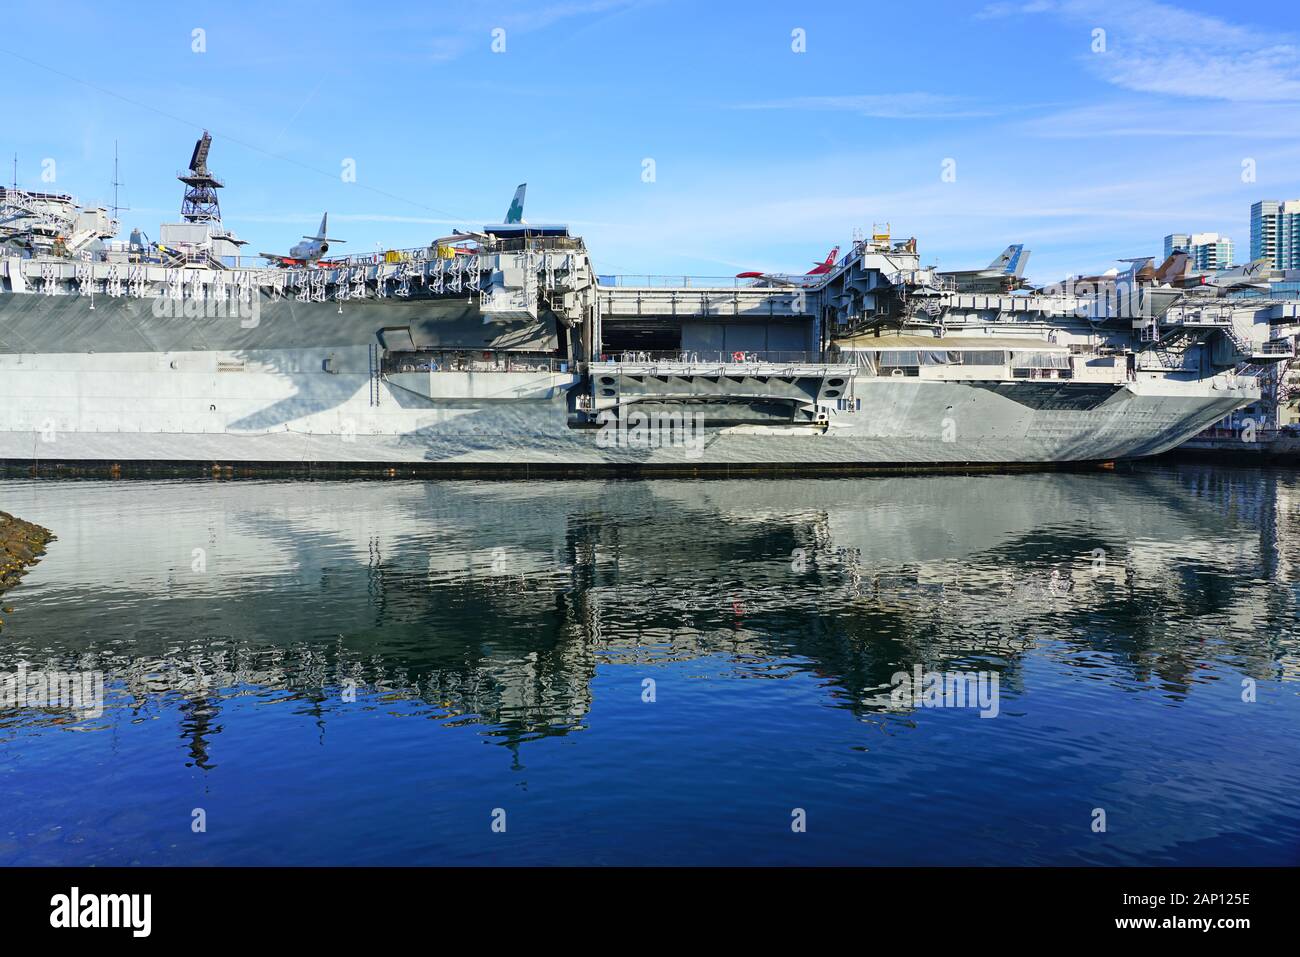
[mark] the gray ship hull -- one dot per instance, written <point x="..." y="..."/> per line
<point x="378" y="367"/>
<point x="271" y="407"/>
<point x="59" y="323"/>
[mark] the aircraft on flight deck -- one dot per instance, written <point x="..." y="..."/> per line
<point x="1004" y="274"/>
<point x="811" y="277"/>
<point x="308" y="252"/>
<point x="1252" y="275"/>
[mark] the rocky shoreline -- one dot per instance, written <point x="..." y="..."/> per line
<point x="21" y="545"/>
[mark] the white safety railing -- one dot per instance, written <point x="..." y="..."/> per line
<point x="646" y="281"/>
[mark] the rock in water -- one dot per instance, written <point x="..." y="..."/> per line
<point x="21" y="545"/>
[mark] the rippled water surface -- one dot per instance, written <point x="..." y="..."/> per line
<point x="660" y="672"/>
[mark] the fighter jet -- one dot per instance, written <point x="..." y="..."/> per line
<point x="309" y="252"/>
<point x="1004" y="274"/>
<point x="1253" y="275"/>
<point x="1140" y="271"/>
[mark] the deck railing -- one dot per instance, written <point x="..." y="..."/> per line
<point x="633" y="281"/>
<point x="1277" y="347"/>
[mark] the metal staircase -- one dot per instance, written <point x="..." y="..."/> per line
<point x="1274" y="350"/>
<point x="32" y="215"/>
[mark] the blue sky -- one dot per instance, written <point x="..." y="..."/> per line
<point x="763" y="157"/>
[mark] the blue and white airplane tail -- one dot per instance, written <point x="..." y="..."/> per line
<point x="515" y="214"/>
<point x="1012" y="261"/>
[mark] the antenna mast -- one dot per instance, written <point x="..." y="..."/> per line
<point x="116" y="184"/>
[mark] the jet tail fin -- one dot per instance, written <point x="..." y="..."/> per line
<point x="1011" y="261"/>
<point x="515" y="214"/>
<point x="322" y="234"/>
<point x="1172" y="268"/>
<point x="1003" y="259"/>
<point x="826" y="264"/>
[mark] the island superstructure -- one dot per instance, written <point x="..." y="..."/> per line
<point x="504" y="349"/>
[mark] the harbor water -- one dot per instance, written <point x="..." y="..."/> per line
<point x="658" y="672"/>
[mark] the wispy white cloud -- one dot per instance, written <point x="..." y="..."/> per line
<point x="892" y="106"/>
<point x="1078" y="208"/>
<point x="531" y="16"/>
<point x="1271" y="74"/>
<point x="349" y="218"/>
<point x="467" y="27"/>
<point x="1130" y="120"/>
<point x="1155" y="47"/>
<point x="993" y="11"/>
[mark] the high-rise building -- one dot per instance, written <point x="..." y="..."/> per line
<point x="1205" y="250"/>
<point x="1275" y="232"/>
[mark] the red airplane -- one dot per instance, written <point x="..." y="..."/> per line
<point x="786" y="279"/>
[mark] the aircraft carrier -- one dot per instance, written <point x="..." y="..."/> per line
<point x="504" y="350"/>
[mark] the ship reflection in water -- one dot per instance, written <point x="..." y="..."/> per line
<point x="661" y="672"/>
